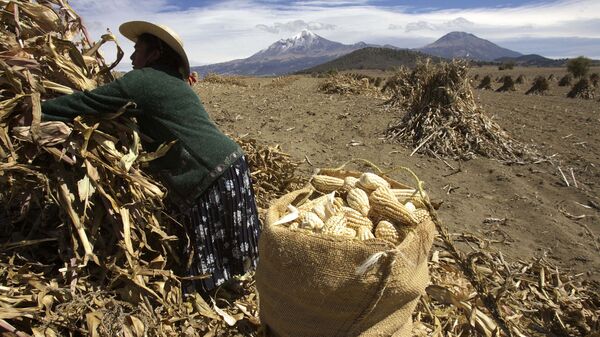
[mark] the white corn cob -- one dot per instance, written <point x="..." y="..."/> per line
<point x="410" y="206"/>
<point x="349" y="183"/>
<point x="389" y="208"/>
<point x="335" y="225"/>
<point x="355" y="219"/>
<point x="310" y="220"/>
<point x="371" y="181"/>
<point x="364" y="233"/>
<point x="326" y="184"/>
<point x="386" y="231"/>
<point x="359" y="200"/>
<point x="422" y="215"/>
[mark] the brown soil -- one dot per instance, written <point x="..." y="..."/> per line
<point x="544" y="217"/>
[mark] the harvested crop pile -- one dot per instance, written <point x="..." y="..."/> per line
<point x="565" y="80"/>
<point x="347" y="84"/>
<point x="595" y="79"/>
<point x="508" y="84"/>
<point x="551" y="77"/>
<point x="520" y="79"/>
<point x="399" y="87"/>
<point x="540" y="86"/>
<point x="86" y="244"/>
<point x="582" y="89"/>
<point x="486" y="83"/>
<point x="273" y="170"/>
<point x="221" y="79"/>
<point x="443" y="119"/>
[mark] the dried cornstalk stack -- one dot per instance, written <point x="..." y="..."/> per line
<point x="540" y="86"/>
<point x="399" y="87"/>
<point x="362" y="208"/>
<point x="520" y="80"/>
<point x="443" y="118"/>
<point x="85" y="246"/>
<point x="273" y="171"/>
<point x="347" y="84"/>
<point x="508" y="84"/>
<point x="486" y="83"/>
<point x="222" y="79"/>
<point x="595" y="79"/>
<point x="565" y="80"/>
<point x="582" y="89"/>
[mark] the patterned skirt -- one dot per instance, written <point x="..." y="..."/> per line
<point x="224" y="228"/>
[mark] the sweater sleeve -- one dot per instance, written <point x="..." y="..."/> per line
<point x="108" y="98"/>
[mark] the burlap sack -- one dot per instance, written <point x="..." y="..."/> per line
<point x="311" y="285"/>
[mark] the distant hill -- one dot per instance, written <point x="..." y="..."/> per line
<point x="466" y="46"/>
<point x="304" y="50"/>
<point x="533" y="60"/>
<point x="371" y="58"/>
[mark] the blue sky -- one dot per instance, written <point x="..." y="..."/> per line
<point x="218" y="31"/>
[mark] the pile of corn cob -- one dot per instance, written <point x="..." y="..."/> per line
<point x="362" y="208"/>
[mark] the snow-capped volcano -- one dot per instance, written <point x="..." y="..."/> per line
<point x="305" y="44"/>
<point x="304" y="50"/>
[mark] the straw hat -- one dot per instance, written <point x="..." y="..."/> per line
<point x="133" y="29"/>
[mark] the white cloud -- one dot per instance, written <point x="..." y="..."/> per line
<point x="228" y="29"/>
<point x="295" y="26"/>
<point x="420" y="25"/>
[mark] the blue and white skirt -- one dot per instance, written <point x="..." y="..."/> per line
<point x="224" y="227"/>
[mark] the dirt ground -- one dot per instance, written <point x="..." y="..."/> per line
<point x="522" y="210"/>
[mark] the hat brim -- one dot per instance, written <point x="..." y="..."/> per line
<point x="133" y="29"/>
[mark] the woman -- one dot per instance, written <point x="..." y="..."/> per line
<point x="205" y="171"/>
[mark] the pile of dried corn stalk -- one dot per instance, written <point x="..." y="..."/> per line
<point x="348" y="84"/>
<point x="86" y="247"/>
<point x="540" y="86"/>
<point x="222" y="79"/>
<point x="443" y="118"/>
<point x="582" y="89"/>
<point x="273" y="171"/>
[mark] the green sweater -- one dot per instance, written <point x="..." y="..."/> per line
<point x="166" y="109"/>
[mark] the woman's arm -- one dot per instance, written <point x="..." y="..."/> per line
<point x="108" y="98"/>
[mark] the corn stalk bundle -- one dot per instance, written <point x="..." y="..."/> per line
<point x="273" y="171"/>
<point x="508" y="84"/>
<point x="399" y="87"/>
<point x="520" y="79"/>
<point x="347" y="84"/>
<point x="443" y="118"/>
<point x="582" y="89"/>
<point x="565" y="80"/>
<point x="540" y="86"/>
<point x="595" y="79"/>
<point x="486" y="83"/>
<point x="85" y="244"/>
<point x="481" y="294"/>
<point x="551" y="77"/>
<point x="221" y="79"/>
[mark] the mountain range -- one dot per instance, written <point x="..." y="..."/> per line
<point x="302" y="51"/>
<point x="307" y="50"/>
